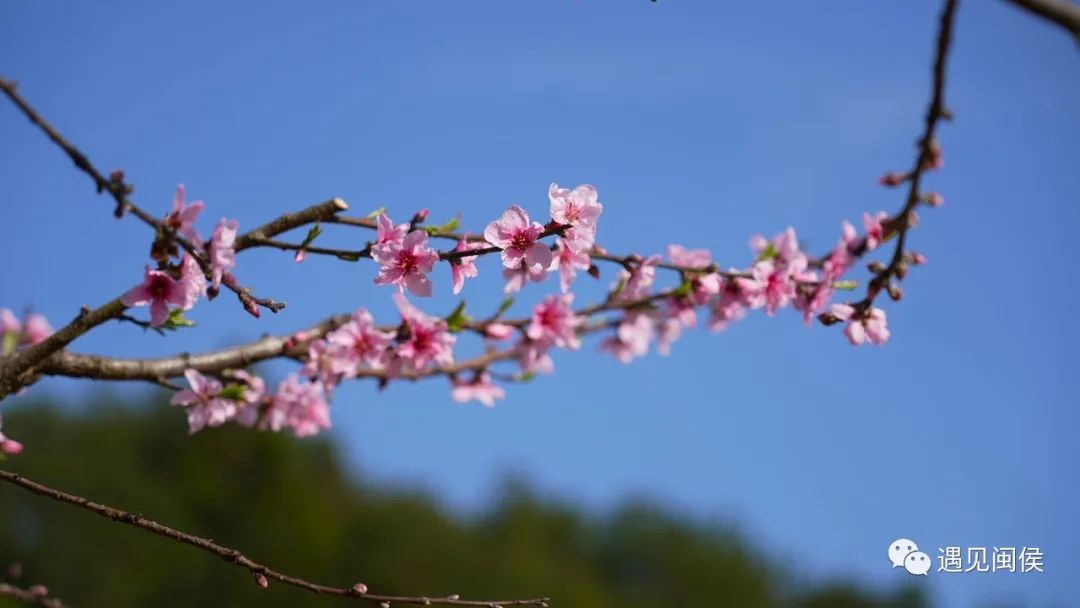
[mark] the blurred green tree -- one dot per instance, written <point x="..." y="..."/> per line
<point x="292" y="505"/>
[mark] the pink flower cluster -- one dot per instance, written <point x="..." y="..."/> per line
<point x="7" y="445"/>
<point x="405" y="257"/>
<point x="181" y="284"/>
<point x="32" y="329"/>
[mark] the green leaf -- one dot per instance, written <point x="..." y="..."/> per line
<point x="845" y="285"/>
<point x="683" y="289"/>
<point x="450" y="226"/>
<point x="769" y="253"/>
<point x="177" y="320"/>
<point x="526" y="377"/>
<point x="348" y="257"/>
<point x="458" y="319"/>
<point x="376" y="213"/>
<point x="312" y="234"/>
<point x="233" y="392"/>
<point x="11" y="340"/>
<point x="623" y="282"/>
<point x="505" y="306"/>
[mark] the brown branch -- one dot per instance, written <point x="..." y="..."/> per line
<point x="936" y="110"/>
<point x="316" y="213"/>
<point x="1065" y="13"/>
<point x="119" y="191"/>
<point x="233" y="556"/>
<point x="33" y="596"/>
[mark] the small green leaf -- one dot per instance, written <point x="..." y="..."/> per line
<point x="376" y="213"/>
<point x="768" y="253"/>
<point x="233" y="392"/>
<point x="450" y="226"/>
<point x="458" y="319"/>
<point x="348" y="257"/>
<point x="683" y="289"/>
<point x="312" y="234"/>
<point x="623" y="282"/>
<point x="11" y="340"/>
<point x="526" y="377"/>
<point x="845" y="285"/>
<point x="177" y="320"/>
<point x="505" y="306"/>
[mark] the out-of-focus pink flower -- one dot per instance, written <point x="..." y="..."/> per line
<point x="201" y="402"/>
<point x="639" y="281"/>
<point x="934" y="199"/>
<point x="465" y="266"/>
<point x="892" y="179"/>
<point x="7" y="445"/>
<point x="428" y="337"/>
<point x="871" y="327"/>
<point x="579" y="209"/>
<point x="300" y="406"/>
<point x="730" y="306"/>
<point x="533" y="356"/>
<point x="480" y="388"/>
<point x="36" y="328"/>
<point x="875" y="231"/>
<point x="183" y="215"/>
<point x="248" y="410"/>
<point x="322" y="364"/>
<point x="517" y="277"/>
<point x="632" y="337"/>
<point x="222" y="251"/>
<point x="358" y="342"/>
<point x="917" y="258"/>
<point x="9" y="323"/>
<point x="407" y="263"/>
<point x="517" y="237"/>
<point x="553" y="319"/>
<point x="568" y="262"/>
<point x="689" y="258"/>
<point x="159" y="290"/>
<point x="192" y="281"/>
<point x="670" y="330"/>
<point x="498" y="331"/>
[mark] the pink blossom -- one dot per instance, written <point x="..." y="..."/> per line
<point x="183" y="215"/>
<point x="322" y="364"/>
<point x="553" y="319"/>
<point x="869" y="327"/>
<point x="9" y="323"/>
<point x="301" y="406"/>
<point x="498" y="331"/>
<point x="730" y="306"/>
<point x="464" y="267"/>
<point x="639" y="281"/>
<point x="480" y="388"/>
<point x="670" y="331"/>
<point x="428" y="338"/>
<point x="407" y="263"/>
<point x="632" y="337"/>
<point x="36" y="328"/>
<point x="517" y="237"/>
<point x="875" y="232"/>
<point x="682" y="309"/>
<point x="358" y="342"/>
<point x="192" y="281"/>
<point x="517" y="277"/>
<point x="568" y="262"/>
<point x="579" y="209"/>
<point x="9" y="446"/>
<point x="254" y="392"/>
<point x="689" y="258"/>
<point x="159" y="290"/>
<point x="533" y="356"/>
<point x="222" y="252"/>
<point x="388" y="232"/>
<point x="771" y="284"/>
<point x="202" y="404"/>
<point x="934" y="199"/>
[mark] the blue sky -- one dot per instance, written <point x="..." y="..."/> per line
<point x="701" y="124"/>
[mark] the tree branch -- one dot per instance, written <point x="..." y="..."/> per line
<point x="357" y="591"/>
<point x="33" y="596"/>
<point x="1065" y="13"/>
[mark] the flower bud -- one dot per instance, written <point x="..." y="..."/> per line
<point x="359" y="588"/>
<point x="892" y="179"/>
<point x="895" y="292"/>
<point x="260" y="580"/>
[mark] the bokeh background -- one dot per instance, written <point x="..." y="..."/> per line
<point x="700" y="123"/>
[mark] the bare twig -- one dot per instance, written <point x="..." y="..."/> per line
<point x="32" y="596"/>
<point x="357" y="591"/>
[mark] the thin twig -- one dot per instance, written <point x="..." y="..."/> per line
<point x="234" y="556"/>
<point x="32" y="596"/>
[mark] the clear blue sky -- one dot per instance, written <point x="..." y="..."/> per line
<point x="700" y="123"/>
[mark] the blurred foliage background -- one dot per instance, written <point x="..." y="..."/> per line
<point x="294" y="506"/>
